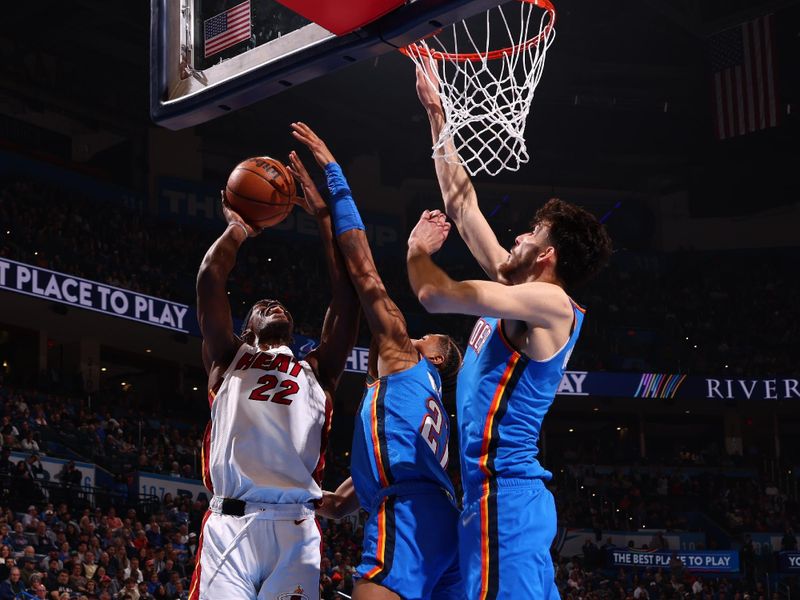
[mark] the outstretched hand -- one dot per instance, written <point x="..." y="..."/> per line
<point x="430" y="232"/>
<point x="311" y="202"/>
<point x="231" y="216"/>
<point x="428" y="85"/>
<point x="313" y="142"/>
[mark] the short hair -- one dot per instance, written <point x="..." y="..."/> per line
<point x="451" y="363"/>
<point x="248" y="336"/>
<point x="582" y="244"/>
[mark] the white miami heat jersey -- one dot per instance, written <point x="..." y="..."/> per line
<point x="269" y="426"/>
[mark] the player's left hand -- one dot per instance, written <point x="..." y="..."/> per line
<point x="328" y="506"/>
<point x="312" y="201"/>
<point x="430" y="232"/>
<point x="313" y="142"/>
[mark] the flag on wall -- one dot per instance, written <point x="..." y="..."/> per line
<point x="744" y="78"/>
<point x="226" y="29"/>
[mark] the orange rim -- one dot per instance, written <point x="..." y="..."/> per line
<point x="417" y="50"/>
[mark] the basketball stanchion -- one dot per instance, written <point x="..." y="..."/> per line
<point x="487" y="93"/>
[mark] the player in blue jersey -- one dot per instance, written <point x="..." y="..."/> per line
<point x="517" y="354"/>
<point x="400" y="443"/>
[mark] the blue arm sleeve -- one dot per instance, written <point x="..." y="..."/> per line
<point x="343" y="209"/>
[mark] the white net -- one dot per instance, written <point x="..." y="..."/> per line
<point x="486" y="94"/>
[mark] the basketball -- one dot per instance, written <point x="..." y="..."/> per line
<point x="261" y="190"/>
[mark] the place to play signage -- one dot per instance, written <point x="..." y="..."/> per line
<point x="91" y="295"/>
<point x="720" y="561"/>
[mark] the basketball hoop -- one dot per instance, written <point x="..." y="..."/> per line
<point x="487" y="93"/>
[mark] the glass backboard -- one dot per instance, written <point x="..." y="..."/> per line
<point x="209" y="57"/>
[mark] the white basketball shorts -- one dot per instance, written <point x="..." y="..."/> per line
<point x="270" y="553"/>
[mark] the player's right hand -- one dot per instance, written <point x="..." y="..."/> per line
<point x="313" y="142"/>
<point x="428" y="85"/>
<point x="430" y="232"/>
<point x="231" y="216"/>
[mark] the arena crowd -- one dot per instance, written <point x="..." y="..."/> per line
<point x="649" y="312"/>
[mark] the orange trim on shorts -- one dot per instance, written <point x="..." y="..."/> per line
<point x="495" y="404"/>
<point x="376" y="440"/>
<point x="484" y="509"/>
<point x="380" y="554"/>
<point x="194" y="588"/>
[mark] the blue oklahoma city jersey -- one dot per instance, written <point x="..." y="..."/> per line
<point x="503" y="397"/>
<point x="401" y="434"/>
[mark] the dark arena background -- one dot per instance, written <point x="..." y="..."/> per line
<point x="674" y="438"/>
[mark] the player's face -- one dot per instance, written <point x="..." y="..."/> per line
<point x="271" y="319"/>
<point x="430" y="346"/>
<point x="527" y="248"/>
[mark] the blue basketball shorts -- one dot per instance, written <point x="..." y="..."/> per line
<point x="504" y="540"/>
<point x="410" y="543"/>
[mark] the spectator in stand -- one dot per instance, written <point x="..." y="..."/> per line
<point x="28" y="570"/>
<point x="70" y="476"/>
<point x="38" y="590"/>
<point x="61" y="586"/>
<point x="12" y="588"/>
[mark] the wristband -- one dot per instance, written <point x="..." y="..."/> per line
<point x="344" y="213"/>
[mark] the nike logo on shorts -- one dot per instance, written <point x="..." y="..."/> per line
<point x="298" y="522"/>
<point x="466" y="520"/>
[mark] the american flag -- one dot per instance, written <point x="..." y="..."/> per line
<point x="743" y="65"/>
<point x="227" y="28"/>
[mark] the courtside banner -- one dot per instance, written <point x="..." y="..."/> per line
<point x="160" y="485"/>
<point x="789" y="562"/>
<point x="677" y="386"/>
<point x="710" y="562"/>
<point x="91" y="295"/>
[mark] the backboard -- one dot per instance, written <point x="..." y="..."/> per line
<point x="210" y="57"/>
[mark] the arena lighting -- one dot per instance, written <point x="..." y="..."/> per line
<point x="619" y="428"/>
<point x="695" y="346"/>
<point x="148" y="350"/>
<point x="269" y="260"/>
<point x="8" y="232"/>
<point x="36" y="253"/>
<point x="103" y="369"/>
<point x="595" y="409"/>
<point x="571" y="430"/>
<point x="194" y="388"/>
<point x="123" y="384"/>
<point x="687" y="411"/>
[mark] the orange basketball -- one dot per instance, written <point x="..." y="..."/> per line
<point x="261" y="189"/>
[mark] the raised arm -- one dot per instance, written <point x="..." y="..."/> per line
<point x="458" y="193"/>
<point x="213" y="308"/>
<point x="340" y="327"/>
<point x="539" y="304"/>
<point x="385" y="320"/>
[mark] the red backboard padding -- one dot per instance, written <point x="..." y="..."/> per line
<point x="342" y="16"/>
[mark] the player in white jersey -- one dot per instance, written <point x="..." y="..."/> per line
<point x="270" y="416"/>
